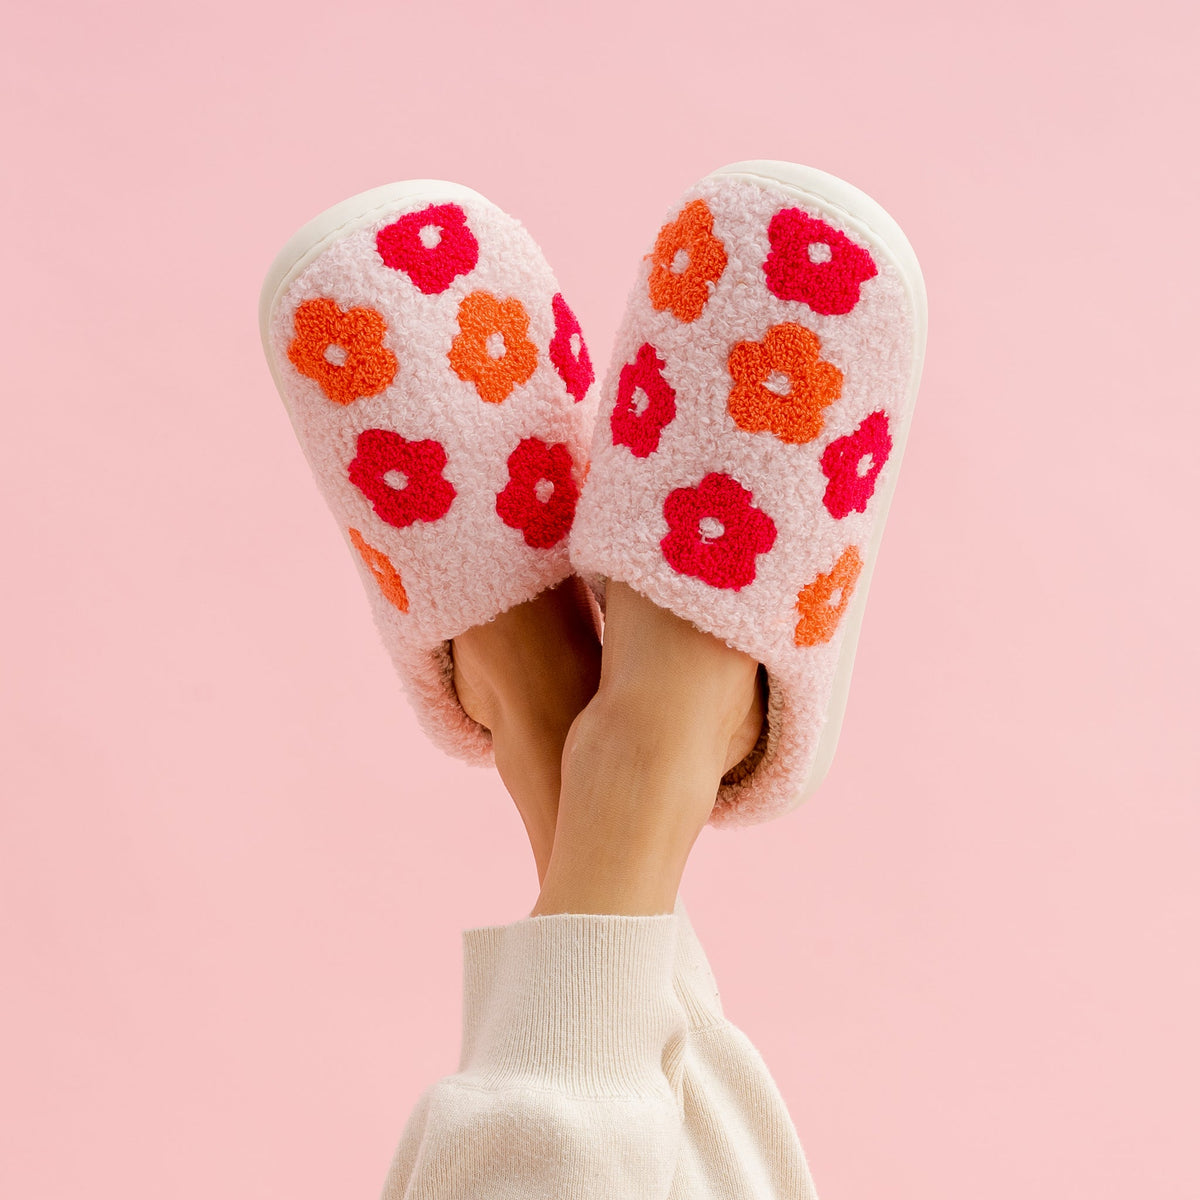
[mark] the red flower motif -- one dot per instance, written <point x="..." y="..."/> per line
<point x="638" y="422"/>
<point x="716" y="533"/>
<point x="815" y="263"/>
<point x="432" y="247"/>
<point x="403" y="480"/>
<point x="852" y="465"/>
<point x="540" y="496"/>
<point x="568" y="352"/>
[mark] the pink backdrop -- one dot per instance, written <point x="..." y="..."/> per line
<point x="232" y="874"/>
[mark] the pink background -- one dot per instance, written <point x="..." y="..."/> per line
<point x="232" y="874"/>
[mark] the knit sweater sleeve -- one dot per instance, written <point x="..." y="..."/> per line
<point x="570" y="1081"/>
<point x="597" y="1062"/>
<point x="738" y="1140"/>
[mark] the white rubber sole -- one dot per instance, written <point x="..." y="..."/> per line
<point x="859" y="211"/>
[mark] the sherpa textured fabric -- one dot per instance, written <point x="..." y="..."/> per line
<point x="743" y="447"/>
<point x="596" y="1064"/>
<point x="439" y="386"/>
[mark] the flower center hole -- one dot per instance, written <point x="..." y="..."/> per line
<point x="711" y="529"/>
<point x="779" y="383"/>
<point x="396" y="479"/>
<point x="543" y="490"/>
<point x="495" y="345"/>
<point x="865" y="464"/>
<point x="431" y="236"/>
<point x="819" y="252"/>
<point x="639" y="401"/>
<point x="680" y="262"/>
<point x="335" y="355"/>
<point x="576" y="344"/>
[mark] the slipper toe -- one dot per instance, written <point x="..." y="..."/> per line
<point x="441" y="390"/>
<point x="749" y="437"/>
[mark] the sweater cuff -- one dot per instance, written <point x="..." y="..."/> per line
<point x="695" y="984"/>
<point x="581" y="1003"/>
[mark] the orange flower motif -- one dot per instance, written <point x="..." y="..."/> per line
<point x="681" y="283"/>
<point x="381" y="567"/>
<point x="788" y="357"/>
<point x="342" y="351"/>
<point x="823" y="601"/>
<point x="493" y="350"/>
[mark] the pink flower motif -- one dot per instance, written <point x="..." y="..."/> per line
<point x="568" y="352"/>
<point x="540" y="496"/>
<point x="638" y="420"/>
<point x="403" y="480"/>
<point x="812" y="262"/>
<point x="432" y="247"/>
<point x="716" y="533"/>
<point x="852" y="465"/>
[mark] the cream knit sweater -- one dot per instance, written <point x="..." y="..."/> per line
<point x="597" y="1065"/>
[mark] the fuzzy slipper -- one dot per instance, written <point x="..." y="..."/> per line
<point x="439" y="386"/>
<point x="748" y="441"/>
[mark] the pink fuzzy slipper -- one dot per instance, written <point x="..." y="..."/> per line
<point x="438" y="383"/>
<point x="749" y="438"/>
